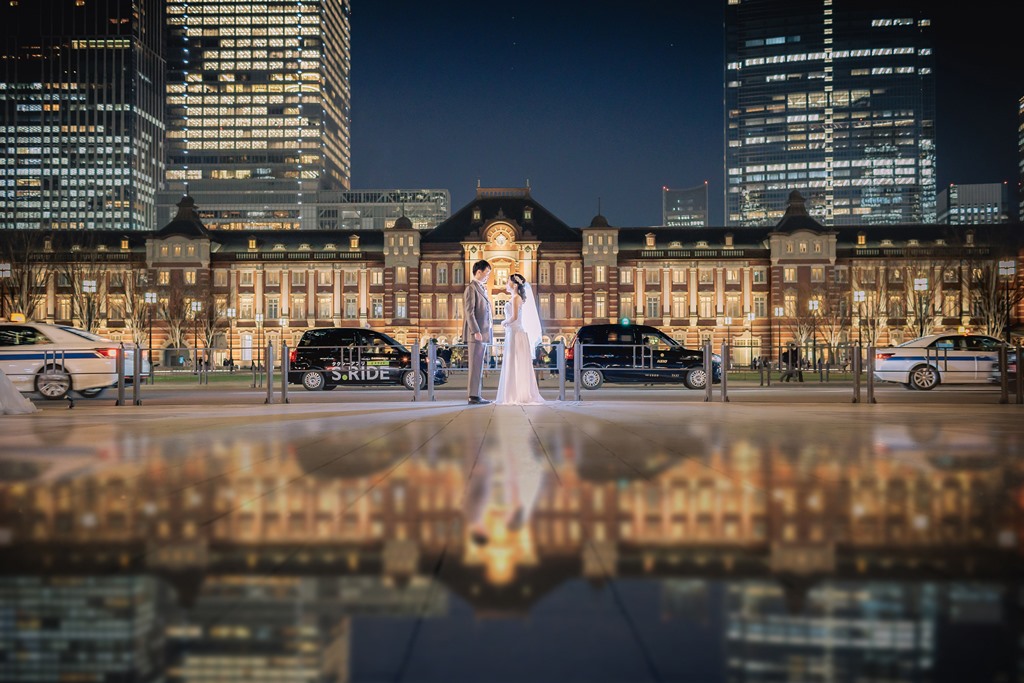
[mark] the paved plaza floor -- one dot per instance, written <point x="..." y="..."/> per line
<point x="624" y="538"/>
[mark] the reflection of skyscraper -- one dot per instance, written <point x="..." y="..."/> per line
<point x="284" y="627"/>
<point x="687" y="207"/>
<point x="840" y="631"/>
<point x="258" y="92"/>
<point x="81" y="115"/>
<point x="80" y="629"/>
<point x="834" y="98"/>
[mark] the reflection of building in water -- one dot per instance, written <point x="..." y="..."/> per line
<point x="278" y="628"/>
<point x="846" y="632"/>
<point x="79" y="629"/>
<point x="691" y="599"/>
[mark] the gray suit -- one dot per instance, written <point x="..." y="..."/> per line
<point x="477" y="307"/>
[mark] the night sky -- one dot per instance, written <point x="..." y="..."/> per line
<point x="591" y="99"/>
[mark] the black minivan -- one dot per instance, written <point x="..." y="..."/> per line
<point x="638" y="354"/>
<point x="329" y="357"/>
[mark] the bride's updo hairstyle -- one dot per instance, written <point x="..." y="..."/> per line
<point x="520" y="284"/>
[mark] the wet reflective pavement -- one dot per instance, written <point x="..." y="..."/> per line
<point x="602" y="541"/>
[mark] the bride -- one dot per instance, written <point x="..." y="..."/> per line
<point x="517" y="384"/>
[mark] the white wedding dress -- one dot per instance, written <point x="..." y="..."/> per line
<point x="11" y="400"/>
<point x="517" y="384"/>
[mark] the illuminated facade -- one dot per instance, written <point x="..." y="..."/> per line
<point x="258" y="92"/>
<point x="686" y="208"/>
<point x="751" y="286"/>
<point x="974" y="204"/>
<point x="1020" y="155"/>
<point x="82" y="114"/>
<point x="835" y="98"/>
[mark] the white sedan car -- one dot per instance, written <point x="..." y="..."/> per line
<point x="926" y="362"/>
<point x="54" y="359"/>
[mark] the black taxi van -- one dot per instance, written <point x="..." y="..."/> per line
<point x="637" y="354"/>
<point x="329" y="357"/>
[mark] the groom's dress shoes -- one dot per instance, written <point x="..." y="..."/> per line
<point x="477" y="401"/>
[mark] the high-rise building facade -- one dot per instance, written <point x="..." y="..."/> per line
<point x="974" y="204"/>
<point x="256" y="92"/>
<point x="835" y="98"/>
<point x="81" y="111"/>
<point x="1020" y="157"/>
<point x="686" y="208"/>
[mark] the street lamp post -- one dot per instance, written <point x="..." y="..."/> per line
<point x="779" y="311"/>
<point x="231" y="331"/>
<point x="282" y="323"/>
<point x="5" y="275"/>
<point x="920" y="286"/>
<point x="858" y="298"/>
<point x="150" y="303"/>
<point x="259" y="339"/>
<point x="1006" y="272"/>
<point x="88" y="287"/>
<point x="728" y="329"/>
<point x="196" y="307"/>
<point x="812" y="306"/>
<point x="750" y="324"/>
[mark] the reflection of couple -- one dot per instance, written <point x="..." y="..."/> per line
<point x="518" y="383"/>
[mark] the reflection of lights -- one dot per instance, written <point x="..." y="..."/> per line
<point x="1007" y="539"/>
<point x="814" y="502"/>
<point x="88" y="520"/>
<point x="921" y="522"/>
<point x="500" y="568"/>
<point x="858" y="510"/>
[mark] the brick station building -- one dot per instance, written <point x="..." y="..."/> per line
<point x="756" y="287"/>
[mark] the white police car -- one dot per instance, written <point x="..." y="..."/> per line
<point x="926" y="362"/>
<point x="55" y="359"/>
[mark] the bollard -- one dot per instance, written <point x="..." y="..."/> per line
<point x="1020" y="378"/>
<point x="560" y="362"/>
<point x="137" y="377"/>
<point x="870" y="373"/>
<point x="577" y="368"/>
<point x="856" y="374"/>
<point x="120" y="375"/>
<point x="1004" y="381"/>
<point x="285" y="368"/>
<point x="768" y="373"/>
<point x="725" y="373"/>
<point x="709" y="368"/>
<point x="270" y="374"/>
<point x="431" y="368"/>
<point x="414" y="366"/>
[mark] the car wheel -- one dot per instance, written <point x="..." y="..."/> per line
<point x="924" y="377"/>
<point x="410" y="377"/>
<point x="591" y="378"/>
<point x="53" y="382"/>
<point x="313" y="380"/>
<point x="696" y="379"/>
<point x="92" y="393"/>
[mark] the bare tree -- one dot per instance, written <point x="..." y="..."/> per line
<point x="995" y="289"/>
<point x="135" y="309"/>
<point x="30" y="267"/>
<point x="84" y="267"/>
<point x="174" y="308"/>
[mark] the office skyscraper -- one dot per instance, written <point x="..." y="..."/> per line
<point x="836" y="99"/>
<point x="81" y="111"/>
<point x="258" y="97"/>
<point x="973" y="204"/>
<point x="686" y="208"/>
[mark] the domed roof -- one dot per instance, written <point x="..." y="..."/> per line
<point x="186" y="223"/>
<point x="403" y="223"/>
<point x="599" y="221"/>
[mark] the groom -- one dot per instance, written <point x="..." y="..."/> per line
<point x="477" y="328"/>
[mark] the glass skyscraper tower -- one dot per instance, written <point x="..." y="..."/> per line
<point x="81" y="113"/>
<point x="258" y="96"/>
<point x="836" y="99"/>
